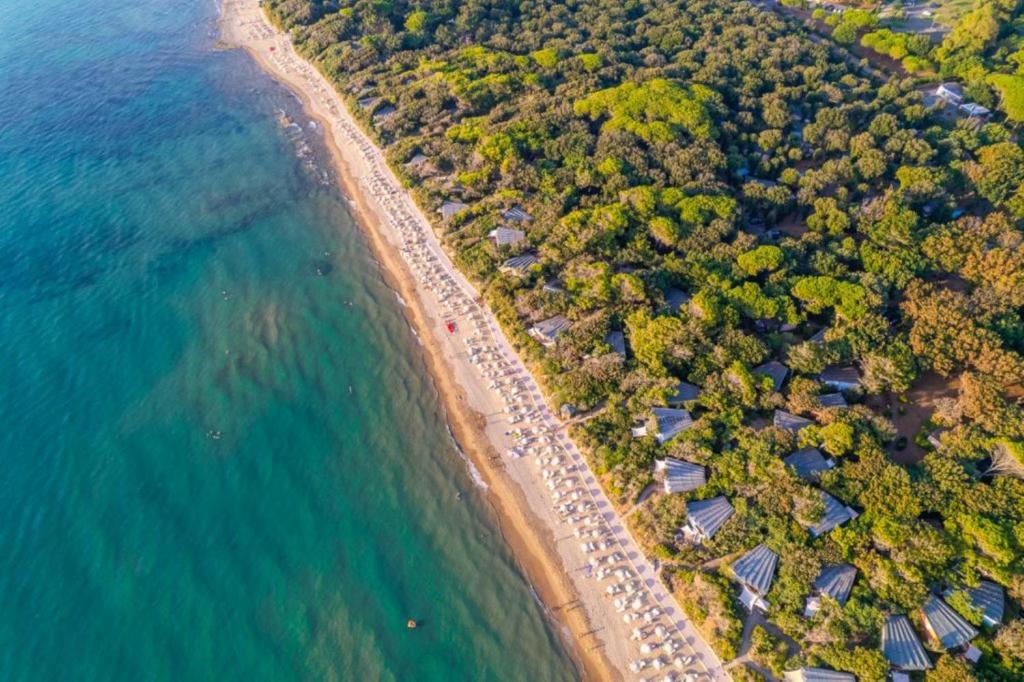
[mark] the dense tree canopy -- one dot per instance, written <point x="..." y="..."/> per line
<point x="703" y="177"/>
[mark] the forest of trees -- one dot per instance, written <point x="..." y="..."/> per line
<point x="984" y="50"/>
<point x="702" y="177"/>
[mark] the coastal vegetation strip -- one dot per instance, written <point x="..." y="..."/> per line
<point x="707" y="196"/>
<point x="509" y="414"/>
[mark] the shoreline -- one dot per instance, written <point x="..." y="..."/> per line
<point x="600" y="643"/>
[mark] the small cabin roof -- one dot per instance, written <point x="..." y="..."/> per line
<point x="708" y="516"/>
<point x="617" y="340"/>
<point x="974" y="109"/>
<point x="506" y="236"/>
<point x="756" y="569"/>
<point x="775" y="370"/>
<point x="685" y="392"/>
<point x="836" y="581"/>
<point x="520" y="263"/>
<point x="676" y="299"/>
<point x="949" y="627"/>
<point x="551" y="328"/>
<point x="449" y="209"/>
<point x="516" y="214"/>
<point x="901" y="646"/>
<point x="808" y="463"/>
<point x="671" y="422"/>
<point x="835" y="514"/>
<point x="840" y="375"/>
<point x="988" y="598"/>
<point x="818" y="675"/>
<point x="832" y="400"/>
<point x="789" y="421"/>
<point x="951" y="88"/>
<point x="681" y="476"/>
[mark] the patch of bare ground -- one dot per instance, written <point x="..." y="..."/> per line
<point x="792" y="225"/>
<point x="914" y="409"/>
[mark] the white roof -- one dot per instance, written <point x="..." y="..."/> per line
<point x="503" y="236"/>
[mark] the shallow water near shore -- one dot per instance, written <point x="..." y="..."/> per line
<point x="223" y="457"/>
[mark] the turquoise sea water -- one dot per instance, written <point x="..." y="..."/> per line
<point x="175" y="265"/>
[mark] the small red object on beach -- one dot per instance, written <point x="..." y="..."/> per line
<point x="272" y="48"/>
<point x="451" y="326"/>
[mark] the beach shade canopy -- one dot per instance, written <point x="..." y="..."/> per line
<point x="671" y="422"/>
<point x="705" y="517"/>
<point x="901" y="646"/>
<point x="788" y="421"/>
<point x="808" y="463"/>
<point x="818" y="675"/>
<point x="988" y="598"/>
<point x="775" y="370"/>
<point x="681" y="476"/>
<point x="946" y="625"/>
<point x="756" y="569"/>
<point x="836" y="514"/>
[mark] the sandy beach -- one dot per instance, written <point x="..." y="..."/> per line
<point x="617" y="618"/>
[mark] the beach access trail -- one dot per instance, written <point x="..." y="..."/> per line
<point x="495" y="407"/>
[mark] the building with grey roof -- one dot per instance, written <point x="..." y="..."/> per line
<point x="755" y="571"/>
<point x="945" y="625"/>
<point x="681" y="476"/>
<point x="832" y="400"/>
<point x="684" y="393"/>
<point x="835" y="514"/>
<point x="675" y="299"/>
<point x="818" y="675"/>
<point x="417" y="161"/>
<point x="450" y="209"/>
<point x="808" y="463"/>
<point x="518" y="265"/>
<point x="670" y="422"/>
<point x="901" y="645"/>
<point x="841" y="377"/>
<point x="776" y="371"/>
<point x="547" y="331"/>
<point x="705" y="517"/>
<point x="506" y="236"/>
<point x="788" y="421"/>
<point x="834" y="582"/>
<point x="950" y="92"/>
<point x="989" y="599"/>
<point x="516" y="214"/>
<point x="617" y="340"/>
<point x="384" y="113"/>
